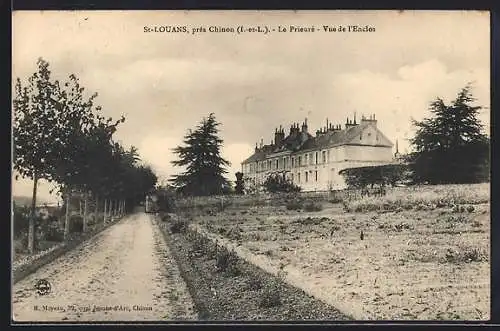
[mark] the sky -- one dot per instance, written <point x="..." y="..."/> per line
<point x="165" y="83"/>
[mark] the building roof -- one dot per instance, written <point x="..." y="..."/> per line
<point x="303" y="141"/>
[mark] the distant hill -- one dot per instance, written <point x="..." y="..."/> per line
<point x="22" y="200"/>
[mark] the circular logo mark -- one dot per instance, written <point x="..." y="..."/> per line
<point x="42" y="287"/>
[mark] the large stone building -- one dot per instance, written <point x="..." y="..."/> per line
<point x="314" y="162"/>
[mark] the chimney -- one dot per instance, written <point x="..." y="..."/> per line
<point x="256" y="147"/>
<point x="370" y="119"/>
<point x="304" y="126"/>
<point x="261" y="143"/>
<point x="349" y="123"/>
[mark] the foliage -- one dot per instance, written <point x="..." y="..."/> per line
<point x="382" y="175"/>
<point x="178" y="226"/>
<point x="279" y="183"/>
<point x="311" y="206"/>
<point x="240" y="184"/>
<point x="205" y="170"/>
<point x="294" y="205"/>
<point x="21" y="220"/>
<point x="450" y="146"/>
<point x="59" y="135"/>
<point x="423" y="198"/>
<point x="227" y="261"/>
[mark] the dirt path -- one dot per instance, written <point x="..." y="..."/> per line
<point x="125" y="273"/>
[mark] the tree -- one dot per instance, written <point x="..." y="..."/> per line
<point x="240" y="184"/>
<point x="34" y="134"/>
<point x="279" y="183"/>
<point x="450" y="146"/>
<point x="205" y="170"/>
<point x="382" y="175"/>
<point x="76" y="128"/>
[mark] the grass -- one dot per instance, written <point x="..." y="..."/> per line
<point x="424" y="198"/>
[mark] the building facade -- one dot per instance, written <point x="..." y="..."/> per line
<point x="314" y="162"/>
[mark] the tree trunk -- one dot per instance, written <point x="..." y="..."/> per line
<point x="31" y="227"/>
<point x="80" y="206"/>
<point x="124" y="207"/>
<point x="85" y="213"/>
<point x="106" y="208"/>
<point x="96" y="212"/>
<point x="68" y="219"/>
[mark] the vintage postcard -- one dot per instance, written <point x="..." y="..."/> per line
<point x="250" y="165"/>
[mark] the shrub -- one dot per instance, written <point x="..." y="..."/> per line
<point x="234" y="233"/>
<point x="464" y="255"/>
<point x="270" y="297"/>
<point x="294" y="205"/>
<point x="254" y="283"/>
<point x="76" y="223"/>
<point x="227" y="261"/>
<point x="178" y="226"/>
<point x="336" y="200"/>
<point x="278" y="183"/>
<point x="54" y="233"/>
<point x="21" y="221"/>
<point x="312" y="206"/>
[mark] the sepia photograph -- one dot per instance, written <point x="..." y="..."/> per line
<point x="182" y="165"/>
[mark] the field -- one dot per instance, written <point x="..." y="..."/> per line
<point x="415" y="253"/>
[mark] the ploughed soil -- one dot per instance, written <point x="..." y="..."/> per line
<point x="410" y="264"/>
<point x="243" y="291"/>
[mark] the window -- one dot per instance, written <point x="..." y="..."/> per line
<point x="277" y="164"/>
<point x="293" y="162"/>
<point x="305" y="159"/>
<point x="284" y="163"/>
<point x="299" y="163"/>
<point x="291" y="177"/>
<point x="307" y="176"/>
<point x="323" y="154"/>
<point x="316" y="157"/>
<point x="310" y="158"/>
<point x="316" y="175"/>
<point x="298" y="177"/>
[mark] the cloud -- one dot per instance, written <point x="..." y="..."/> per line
<point x="395" y="100"/>
<point x="165" y="83"/>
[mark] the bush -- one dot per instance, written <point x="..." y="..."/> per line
<point x="311" y="206"/>
<point x="76" y="224"/>
<point x="178" y="226"/>
<point x="227" y="261"/>
<point x="465" y="255"/>
<point x="54" y="233"/>
<point x="294" y="205"/>
<point x="254" y="283"/>
<point x="21" y="221"/>
<point x="270" y="298"/>
<point x="278" y="183"/>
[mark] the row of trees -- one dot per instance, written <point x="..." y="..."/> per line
<point x="61" y="137"/>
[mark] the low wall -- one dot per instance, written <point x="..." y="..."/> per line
<point x="24" y="270"/>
